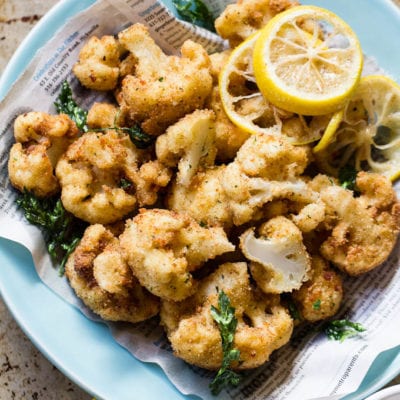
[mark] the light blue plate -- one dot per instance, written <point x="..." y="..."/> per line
<point x="84" y="350"/>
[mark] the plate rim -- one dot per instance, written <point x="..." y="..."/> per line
<point x="37" y="37"/>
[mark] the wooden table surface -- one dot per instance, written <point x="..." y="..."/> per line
<point x="24" y="372"/>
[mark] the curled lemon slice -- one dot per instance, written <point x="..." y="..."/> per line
<point x="248" y="109"/>
<point x="368" y="137"/>
<point x="307" y="60"/>
<point x="245" y="106"/>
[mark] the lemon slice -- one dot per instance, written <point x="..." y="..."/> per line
<point x="245" y="105"/>
<point x="368" y="137"/>
<point x="330" y="131"/>
<point x="243" y="102"/>
<point x="307" y="60"/>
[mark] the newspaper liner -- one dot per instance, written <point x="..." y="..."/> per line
<point x="310" y="366"/>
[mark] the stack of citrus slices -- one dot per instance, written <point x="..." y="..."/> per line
<point x="307" y="62"/>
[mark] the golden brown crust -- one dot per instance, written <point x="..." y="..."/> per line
<point x="103" y="280"/>
<point x="263" y="324"/>
<point x="163" y="247"/>
<point x="320" y="297"/>
<point x="41" y="139"/>
<point x="163" y="88"/>
<point x="364" y="228"/>
<point x="238" y="21"/>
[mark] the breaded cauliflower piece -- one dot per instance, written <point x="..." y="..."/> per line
<point x="279" y="260"/>
<point x="238" y="21"/>
<point x="98" y="64"/>
<point x="163" y="247"/>
<point x="188" y="144"/>
<point x="320" y="297"/>
<point x="265" y="168"/>
<point x="364" y="229"/>
<point x="98" y="176"/>
<point x="263" y="324"/>
<point x="163" y="88"/>
<point x="204" y="200"/>
<point x="228" y="137"/>
<point x="152" y="176"/>
<point x="41" y="139"/>
<point x="103" y="115"/>
<point x="101" y="278"/>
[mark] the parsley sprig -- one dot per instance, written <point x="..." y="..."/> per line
<point x="224" y="316"/>
<point x="348" y="177"/>
<point x="66" y="104"/>
<point x="343" y="329"/>
<point x="196" y="12"/>
<point x="61" y="230"/>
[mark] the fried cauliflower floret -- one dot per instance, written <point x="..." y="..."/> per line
<point x="204" y="200"/>
<point x="97" y="67"/>
<point x="238" y="21"/>
<point x="320" y="297"/>
<point x="163" y="247"/>
<point x="365" y="228"/>
<point x="267" y="156"/>
<point x="163" y="88"/>
<point x="265" y="168"/>
<point x="103" y="115"/>
<point x="41" y="139"/>
<point x="263" y="324"/>
<point x="151" y="177"/>
<point x="279" y="260"/>
<point x="92" y="173"/>
<point x="188" y="144"/>
<point x="101" y="278"/>
<point x="228" y="137"/>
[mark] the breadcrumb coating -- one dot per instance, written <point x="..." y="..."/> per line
<point x="240" y="20"/>
<point x="321" y="296"/>
<point x="189" y="144"/>
<point x="100" y="277"/>
<point x="163" y="247"/>
<point x="41" y="139"/>
<point x="163" y="88"/>
<point x="204" y="200"/>
<point x="91" y="175"/>
<point x="98" y="64"/>
<point x="263" y="324"/>
<point x="364" y="229"/>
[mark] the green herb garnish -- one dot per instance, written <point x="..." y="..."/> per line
<point x="342" y="329"/>
<point x="61" y="230"/>
<point x="317" y="304"/>
<point x="67" y="105"/>
<point x="293" y="310"/>
<point x="347" y="178"/>
<point x="139" y="138"/>
<point x="196" y="12"/>
<point x="125" y="183"/>
<point x="224" y="316"/>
